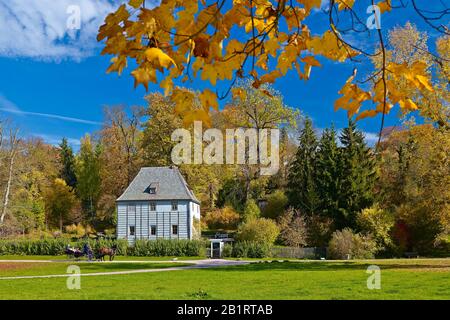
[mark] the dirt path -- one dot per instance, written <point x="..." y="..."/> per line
<point x="196" y="264"/>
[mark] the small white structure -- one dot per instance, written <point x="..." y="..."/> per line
<point x="158" y="204"/>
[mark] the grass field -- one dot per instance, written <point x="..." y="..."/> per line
<point x="400" y="279"/>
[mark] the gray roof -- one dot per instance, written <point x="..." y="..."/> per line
<point x="168" y="181"/>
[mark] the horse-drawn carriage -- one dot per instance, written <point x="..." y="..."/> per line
<point x="86" y="251"/>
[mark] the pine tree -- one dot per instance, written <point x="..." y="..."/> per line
<point x="67" y="159"/>
<point x="358" y="176"/>
<point x="329" y="174"/>
<point x="302" y="189"/>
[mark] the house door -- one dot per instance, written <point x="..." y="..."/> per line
<point x="216" y="250"/>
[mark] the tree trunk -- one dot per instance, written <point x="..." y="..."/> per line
<point x="12" y="154"/>
<point x="8" y="185"/>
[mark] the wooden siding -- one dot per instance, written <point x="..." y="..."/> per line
<point x="163" y="218"/>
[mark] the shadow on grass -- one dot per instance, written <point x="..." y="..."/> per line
<point x="107" y="267"/>
<point x="326" y="266"/>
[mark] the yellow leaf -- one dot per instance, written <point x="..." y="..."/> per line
<point x="239" y="93"/>
<point x="208" y="99"/>
<point x="424" y="82"/>
<point x="136" y="3"/>
<point x="366" y="114"/>
<point x="384" y="6"/>
<point x="309" y="4"/>
<point x="118" y="64"/>
<point x="158" y="58"/>
<point x="209" y="72"/>
<point x="167" y="85"/>
<point x="270" y="77"/>
<point x="143" y="76"/>
<point x="408" y="104"/>
<point x="310" y="60"/>
<point x="345" y="4"/>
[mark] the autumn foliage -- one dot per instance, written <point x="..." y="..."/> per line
<point x="257" y="39"/>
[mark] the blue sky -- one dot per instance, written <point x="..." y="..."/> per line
<point x="54" y="85"/>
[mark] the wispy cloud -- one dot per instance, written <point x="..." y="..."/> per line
<point x="9" y="107"/>
<point x="38" y="28"/>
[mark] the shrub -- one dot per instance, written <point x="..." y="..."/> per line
<point x="424" y="226"/>
<point x="251" y="210"/>
<point x="161" y="247"/>
<point x="33" y="247"/>
<point x="250" y="249"/>
<point x="319" y="230"/>
<point x="76" y="230"/>
<point x="225" y="218"/>
<point x="258" y="230"/>
<point x="227" y="250"/>
<point x="293" y="228"/>
<point x="140" y="248"/>
<point x="377" y="222"/>
<point x="345" y="244"/>
<point x="276" y="204"/>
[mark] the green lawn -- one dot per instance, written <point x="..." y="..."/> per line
<point x="400" y="279"/>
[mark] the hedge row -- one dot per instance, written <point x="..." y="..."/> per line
<point x="140" y="248"/>
<point x="247" y="249"/>
<point x="159" y="248"/>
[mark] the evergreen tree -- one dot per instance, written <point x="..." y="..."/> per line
<point x="329" y="174"/>
<point x="358" y="176"/>
<point x="88" y="176"/>
<point x="302" y="189"/>
<point x="67" y="159"/>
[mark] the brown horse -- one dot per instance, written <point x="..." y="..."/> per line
<point x="102" y="252"/>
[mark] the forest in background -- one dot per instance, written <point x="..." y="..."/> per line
<point x="331" y="190"/>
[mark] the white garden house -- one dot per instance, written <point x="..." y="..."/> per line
<point x="158" y="204"/>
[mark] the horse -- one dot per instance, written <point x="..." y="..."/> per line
<point x="102" y="252"/>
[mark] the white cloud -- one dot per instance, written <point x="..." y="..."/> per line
<point x="9" y="107"/>
<point x="56" y="140"/>
<point x="371" y="138"/>
<point x="38" y="28"/>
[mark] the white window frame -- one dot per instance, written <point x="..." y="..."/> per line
<point x="178" y="230"/>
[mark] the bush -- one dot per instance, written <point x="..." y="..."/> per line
<point x="251" y="210"/>
<point x="178" y="248"/>
<point x="225" y="218"/>
<point x="378" y="223"/>
<point x="258" y="230"/>
<point x="160" y="248"/>
<point x="424" y="227"/>
<point x="320" y="230"/>
<point x="227" y="250"/>
<point x="250" y="249"/>
<point x="345" y="243"/>
<point x="51" y="247"/>
<point x="276" y="204"/>
<point x="293" y="228"/>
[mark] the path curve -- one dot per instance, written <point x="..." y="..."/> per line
<point x="196" y="264"/>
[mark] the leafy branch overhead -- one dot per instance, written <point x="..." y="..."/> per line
<point x="257" y="39"/>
